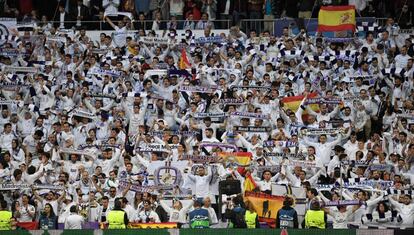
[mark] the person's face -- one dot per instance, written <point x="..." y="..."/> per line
<point x="201" y="171"/>
<point x="129" y="167"/>
<point x="363" y="93"/>
<point x="49" y="196"/>
<point x="8" y="129"/>
<point x="406" y="200"/>
<point x="207" y="202"/>
<point x="25" y="199"/>
<point x="267" y="175"/>
<point x="112" y="192"/>
<point x="147" y="206"/>
<point x="48" y="209"/>
<point x="381" y="208"/>
<point x="322" y="139"/>
<point x="105" y="203"/>
<point x="177" y="205"/>
<point x="302" y="175"/>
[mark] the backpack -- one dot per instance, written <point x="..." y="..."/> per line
<point x="239" y="220"/>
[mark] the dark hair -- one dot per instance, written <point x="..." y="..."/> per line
<point x="288" y="201"/>
<point x="315" y="205"/>
<point x="73" y="209"/>
<point x="117" y="204"/>
<point x="52" y="212"/>
<point x="197" y="203"/>
<point x="3" y="205"/>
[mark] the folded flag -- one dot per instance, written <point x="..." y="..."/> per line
<point x="249" y="183"/>
<point x="336" y="18"/>
<point x="184" y="63"/>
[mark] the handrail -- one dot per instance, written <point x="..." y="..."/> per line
<point x="217" y="24"/>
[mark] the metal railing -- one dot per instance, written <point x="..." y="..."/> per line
<point x="245" y="24"/>
<point x="132" y="24"/>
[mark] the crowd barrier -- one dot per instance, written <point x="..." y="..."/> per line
<point x="213" y="232"/>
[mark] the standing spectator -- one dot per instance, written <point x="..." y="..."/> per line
<point x="173" y="24"/>
<point x="189" y="22"/>
<point x="95" y="6"/>
<point x="142" y="6"/>
<point x="403" y="17"/>
<point x="128" y="6"/>
<point x="158" y="23"/>
<point x="223" y="11"/>
<point x="210" y="7"/>
<point x="120" y="33"/>
<point x="270" y="11"/>
<point x="204" y="23"/>
<point x="305" y="8"/>
<point x="190" y="7"/>
<point x="255" y="12"/>
<point x="141" y="23"/>
<point x="74" y="220"/>
<point x="48" y="219"/>
<point x="61" y="19"/>
<point x="110" y="6"/>
<point x="291" y="8"/>
<point x="176" y="9"/>
<point x="25" y="212"/>
<point x="239" y="11"/>
<point x="79" y="12"/>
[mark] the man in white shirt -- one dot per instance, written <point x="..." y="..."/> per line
<point x="201" y="183"/>
<point x="120" y="34"/>
<point x="110" y="6"/>
<point x="74" y="221"/>
<point x="401" y="60"/>
<point x="7" y="137"/>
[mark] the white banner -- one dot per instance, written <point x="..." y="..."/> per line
<point x="154" y="40"/>
<point x="16" y="69"/>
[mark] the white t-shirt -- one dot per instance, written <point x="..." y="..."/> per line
<point x="74" y="221"/>
<point x="120" y="36"/>
<point x="24" y="213"/>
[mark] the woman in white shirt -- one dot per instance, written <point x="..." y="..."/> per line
<point x="342" y="216"/>
<point x="177" y="212"/>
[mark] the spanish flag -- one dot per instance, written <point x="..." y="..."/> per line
<point x="241" y="158"/>
<point x="249" y="183"/>
<point x="293" y="102"/>
<point x="184" y="63"/>
<point x="336" y="18"/>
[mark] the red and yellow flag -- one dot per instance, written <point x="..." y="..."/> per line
<point x="266" y="206"/>
<point x="336" y="18"/>
<point x="242" y="158"/>
<point x="293" y="102"/>
<point x="249" y="184"/>
<point x="184" y="63"/>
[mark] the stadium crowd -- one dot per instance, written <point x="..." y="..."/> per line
<point x="190" y="14"/>
<point x="83" y="121"/>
